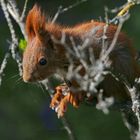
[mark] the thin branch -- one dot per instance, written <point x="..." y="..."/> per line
<point x="24" y="10"/>
<point x="68" y="128"/>
<point x="14" y="44"/>
<point x="17" y="18"/>
<point x="62" y="10"/>
<point x="3" y="66"/>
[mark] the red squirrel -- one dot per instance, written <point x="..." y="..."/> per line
<point x="43" y="57"/>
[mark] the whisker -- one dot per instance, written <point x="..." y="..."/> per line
<point x="12" y="77"/>
<point x="18" y="81"/>
<point x="41" y="86"/>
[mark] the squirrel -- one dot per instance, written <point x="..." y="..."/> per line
<point x="43" y="57"/>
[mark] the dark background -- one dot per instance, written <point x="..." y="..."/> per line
<point x="24" y="108"/>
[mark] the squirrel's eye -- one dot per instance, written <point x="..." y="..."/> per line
<point x="42" y="61"/>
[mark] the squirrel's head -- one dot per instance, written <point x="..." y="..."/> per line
<point x="40" y="59"/>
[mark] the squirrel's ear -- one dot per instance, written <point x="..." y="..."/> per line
<point x="30" y="23"/>
<point x="35" y="23"/>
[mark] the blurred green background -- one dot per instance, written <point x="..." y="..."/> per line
<point x="24" y="108"/>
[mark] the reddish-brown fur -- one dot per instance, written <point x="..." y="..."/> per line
<point x="41" y="45"/>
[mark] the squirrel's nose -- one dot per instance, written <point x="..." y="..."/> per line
<point x="27" y="79"/>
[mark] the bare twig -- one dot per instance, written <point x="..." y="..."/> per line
<point x="3" y="66"/>
<point x="62" y="10"/>
<point x="24" y="10"/>
<point x="13" y="46"/>
<point x="12" y="9"/>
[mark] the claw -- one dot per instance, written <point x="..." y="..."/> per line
<point x="56" y="109"/>
<point x="56" y="99"/>
<point x="62" y="108"/>
<point x="59" y="101"/>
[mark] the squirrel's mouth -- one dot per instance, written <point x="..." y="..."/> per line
<point x="28" y="79"/>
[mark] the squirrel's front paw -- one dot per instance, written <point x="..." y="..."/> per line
<point x="72" y="98"/>
<point x="62" y="97"/>
<point x="60" y="92"/>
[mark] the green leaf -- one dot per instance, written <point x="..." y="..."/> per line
<point x="22" y="44"/>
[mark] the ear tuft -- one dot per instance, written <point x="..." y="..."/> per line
<point x="35" y="22"/>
